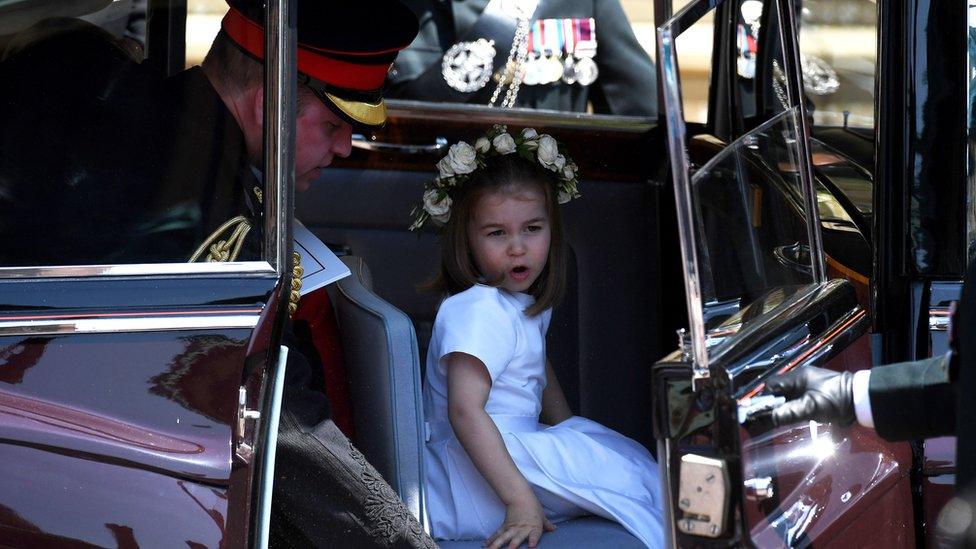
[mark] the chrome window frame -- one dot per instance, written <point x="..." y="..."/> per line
<point x="673" y="114"/>
<point x="279" y="159"/>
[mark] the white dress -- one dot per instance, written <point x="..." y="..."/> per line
<point x="577" y="467"/>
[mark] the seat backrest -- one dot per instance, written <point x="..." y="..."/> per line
<point x="380" y="350"/>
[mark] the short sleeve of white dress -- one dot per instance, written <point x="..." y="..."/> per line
<point x="477" y="325"/>
<point x="546" y="320"/>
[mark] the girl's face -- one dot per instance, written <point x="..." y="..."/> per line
<point x="509" y="236"/>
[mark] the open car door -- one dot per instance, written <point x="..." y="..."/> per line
<point x="138" y="396"/>
<point x="760" y="303"/>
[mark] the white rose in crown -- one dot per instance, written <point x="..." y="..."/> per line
<point x="439" y="209"/>
<point x="569" y="172"/>
<point x="563" y="197"/>
<point x="559" y="163"/>
<point x="444" y="168"/>
<point x="530" y="139"/>
<point x="462" y="158"/>
<point x="504" y="144"/>
<point x="482" y="145"/>
<point x="548" y="150"/>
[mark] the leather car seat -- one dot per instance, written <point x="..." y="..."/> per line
<point x="383" y="366"/>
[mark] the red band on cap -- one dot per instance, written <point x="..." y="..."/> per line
<point x="315" y="63"/>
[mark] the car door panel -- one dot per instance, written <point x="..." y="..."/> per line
<point x="134" y="410"/>
<point x="798" y="485"/>
<point x="827" y="478"/>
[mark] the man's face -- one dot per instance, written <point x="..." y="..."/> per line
<point x="320" y="136"/>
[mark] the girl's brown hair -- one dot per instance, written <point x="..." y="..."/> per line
<point x="501" y="174"/>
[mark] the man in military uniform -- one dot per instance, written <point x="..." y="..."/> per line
<point x="542" y="54"/>
<point x="149" y="166"/>
<point x="325" y="493"/>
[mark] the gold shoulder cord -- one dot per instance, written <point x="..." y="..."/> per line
<point x="222" y="249"/>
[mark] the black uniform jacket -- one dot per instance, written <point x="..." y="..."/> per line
<point x="104" y="161"/>
<point x="625" y="84"/>
<point x="937" y="396"/>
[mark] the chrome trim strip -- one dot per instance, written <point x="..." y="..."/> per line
<point x="794" y="94"/>
<point x="483" y="114"/>
<point x="690" y="14"/>
<point x="664" y="459"/>
<point x="279" y="130"/>
<point x="125" y="325"/>
<point x="247" y="268"/>
<point x="674" y="116"/>
<point x="264" y="522"/>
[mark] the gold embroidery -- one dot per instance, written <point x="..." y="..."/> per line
<point x="229" y="248"/>
<point x="226" y="249"/>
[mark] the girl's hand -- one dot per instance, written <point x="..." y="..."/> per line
<point x="524" y="520"/>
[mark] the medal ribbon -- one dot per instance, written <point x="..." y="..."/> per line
<point x="569" y="31"/>
<point x="586" y="46"/>
<point x="548" y="35"/>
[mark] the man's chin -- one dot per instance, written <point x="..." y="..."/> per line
<point x="303" y="182"/>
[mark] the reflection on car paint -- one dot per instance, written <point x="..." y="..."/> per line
<point x="826" y="477"/>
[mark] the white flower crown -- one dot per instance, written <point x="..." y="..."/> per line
<point x="463" y="159"/>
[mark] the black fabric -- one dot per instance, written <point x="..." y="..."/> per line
<point x="964" y="340"/>
<point x="358" y="27"/>
<point x="327" y="495"/>
<point x="303" y="394"/>
<point x="488" y="22"/>
<point x="625" y="84"/>
<point x="104" y="161"/>
<point x="325" y="492"/>
<point x="912" y="400"/>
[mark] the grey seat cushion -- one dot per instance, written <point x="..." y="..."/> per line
<point x="581" y="533"/>
<point x="380" y="352"/>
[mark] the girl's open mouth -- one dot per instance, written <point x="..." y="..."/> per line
<point x="520" y="273"/>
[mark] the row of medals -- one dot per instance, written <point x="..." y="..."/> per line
<point x="549" y="68"/>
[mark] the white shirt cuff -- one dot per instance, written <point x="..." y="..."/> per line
<point x="862" y="398"/>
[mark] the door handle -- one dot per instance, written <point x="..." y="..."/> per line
<point x="360" y="141"/>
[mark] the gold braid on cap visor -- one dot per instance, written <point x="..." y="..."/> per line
<point x="371" y="114"/>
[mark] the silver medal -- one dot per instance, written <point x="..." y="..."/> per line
<point x="569" y="70"/>
<point x="531" y="77"/>
<point x="553" y="68"/>
<point x="467" y="66"/>
<point x="586" y="71"/>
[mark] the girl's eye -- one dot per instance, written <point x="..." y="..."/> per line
<point x="498" y="232"/>
<point x="534" y="228"/>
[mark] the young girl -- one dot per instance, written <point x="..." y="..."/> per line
<point x="506" y="459"/>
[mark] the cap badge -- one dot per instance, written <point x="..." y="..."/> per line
<point x="467" y="66"/>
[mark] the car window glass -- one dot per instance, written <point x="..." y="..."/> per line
<point x="838" y="54"/>
<point x="561" y="55"/>
<point x="694" y="48"/>
<point x="750" y="226"/>
<point x="202" y="25"/>
<point x="106" y="161"/>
